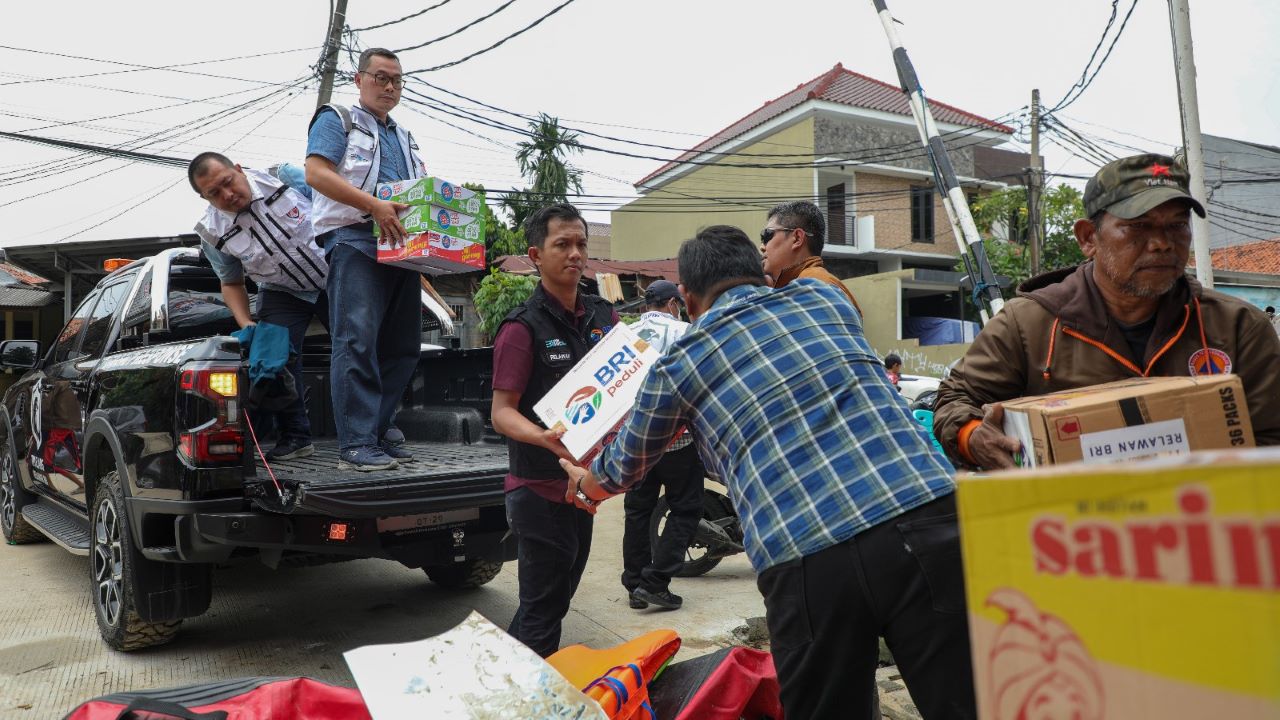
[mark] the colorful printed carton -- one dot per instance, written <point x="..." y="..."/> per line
<point x="433" y="191"/>
<point x="434" y="254"/>
<point x="442" y="239"/>
<point x="595" y="397"/>
<point x="1129" y="419"/>
<point x="1149" y="589"/>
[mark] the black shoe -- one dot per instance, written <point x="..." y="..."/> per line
<point x="635" y="602"/>
<point x="664" y="599"/>
<point x="290" y="450"/>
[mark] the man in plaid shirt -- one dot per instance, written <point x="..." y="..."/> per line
<point x="847" y="508"/>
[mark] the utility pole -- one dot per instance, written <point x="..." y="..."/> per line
<point x="986" y="292"/>
<point x="1035" y="232"/>
<point x="336" y="23"/>
<point x="1184" y="62"/>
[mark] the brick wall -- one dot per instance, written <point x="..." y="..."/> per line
<point x="892" y="212"/>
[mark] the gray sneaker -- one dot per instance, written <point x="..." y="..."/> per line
<point x="366" y="459"/>
<point x="291" y="450"/>
<point x="396" y="452"/>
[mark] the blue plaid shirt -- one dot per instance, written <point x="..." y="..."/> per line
<point x="792" y="410"/>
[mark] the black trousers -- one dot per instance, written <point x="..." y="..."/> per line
<point x="681" y="473"/>
<point x="553" y="541"/>
<point x="293" y="313"/>
<point x="901" y="579"/>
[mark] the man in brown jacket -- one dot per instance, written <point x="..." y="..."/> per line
<point x="792" y="242"/>
<point x="1129" y="311"/>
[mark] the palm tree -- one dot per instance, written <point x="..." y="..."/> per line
<point x="543" y="158"/>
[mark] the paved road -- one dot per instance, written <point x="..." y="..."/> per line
<point x="300" y="621"/>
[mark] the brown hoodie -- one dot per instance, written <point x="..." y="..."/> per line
<point x="1057" y="335"/>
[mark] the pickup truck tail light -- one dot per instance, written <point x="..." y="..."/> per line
<point x="209" y="409"/>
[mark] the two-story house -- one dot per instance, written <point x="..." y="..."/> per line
<point x="843" y="140"/>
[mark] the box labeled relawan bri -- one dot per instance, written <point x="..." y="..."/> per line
<point x="1129" y="419"/>
<point x="1148" y="589"/>
<point x="593" y="399"/>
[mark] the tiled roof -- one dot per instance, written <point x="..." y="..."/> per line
<point x="18" y="273"/>
<point x="665" y="269"/>
<point x="25" y="297"/>
<point x="1261" y="257"/>
<point x="842" y="86"/>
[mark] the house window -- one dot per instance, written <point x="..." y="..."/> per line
<point x="837" y="233"/>
<point x="922" y="214"/>
<point x="458" y="322"/>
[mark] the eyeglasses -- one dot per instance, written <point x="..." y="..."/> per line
<point x="381" y="79"/>
<point x="767" y="234"/>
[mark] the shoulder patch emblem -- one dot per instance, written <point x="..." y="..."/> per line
<point x="1209" y="361"/>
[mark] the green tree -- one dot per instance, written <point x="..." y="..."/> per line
<point x="499" y="294"/>
<point x="499" y="237"/>
<point x="544" y="161"/>
<point x="1061" y="205"/>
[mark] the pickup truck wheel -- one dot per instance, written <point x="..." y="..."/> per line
<point x="17" y="531"/>
<point x="111" y="561"/>
<point x="470" y="574"/>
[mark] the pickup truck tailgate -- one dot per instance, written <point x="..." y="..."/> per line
<point x="443" y="476"/>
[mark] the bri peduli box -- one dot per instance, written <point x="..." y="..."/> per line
<point x="593" y="399"/>
<point x="442" y="238"/>
<point x="1147" y="589"/>
<point x="1129" y="419"/>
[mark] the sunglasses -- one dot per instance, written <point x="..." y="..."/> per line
<point x="767" y="234"/>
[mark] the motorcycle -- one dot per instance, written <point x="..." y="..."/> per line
<point x="719" y="534"/>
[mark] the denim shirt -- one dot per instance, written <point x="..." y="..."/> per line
<point x="328" y="140"/>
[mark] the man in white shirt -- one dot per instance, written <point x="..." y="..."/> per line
<point x="647" y="571"/>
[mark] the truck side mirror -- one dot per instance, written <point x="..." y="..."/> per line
<point x="19" y="354"/>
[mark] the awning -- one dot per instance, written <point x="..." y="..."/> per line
<point x="25" y="297"/>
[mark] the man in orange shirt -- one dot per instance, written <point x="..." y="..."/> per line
<point x="792" y="242"/>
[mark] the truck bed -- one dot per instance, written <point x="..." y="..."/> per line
<point x="443" y="476"/>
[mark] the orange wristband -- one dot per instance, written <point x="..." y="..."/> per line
<point x="962" y="439"/>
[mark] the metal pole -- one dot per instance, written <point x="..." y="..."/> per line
<point x="336" y="23"/>
<point x="1035" y="231"/>
<point x="953" y="199"/>
<point x="1184" y="62"/>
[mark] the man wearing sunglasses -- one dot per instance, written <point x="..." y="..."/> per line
<point x="792" y="241"/>
<point x="375" y="309"/>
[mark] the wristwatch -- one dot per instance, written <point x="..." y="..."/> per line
<point x="581" y="496"/>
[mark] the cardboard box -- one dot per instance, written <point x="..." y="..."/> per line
<point x="434" y="254"/>
<point x="1130" y="419"/>
<point x="1148" y="589"/>
<point x="445" y="222"/>
<point x="595" y="397"/>
<point x="433" y="191"/>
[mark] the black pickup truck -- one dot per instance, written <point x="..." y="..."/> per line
<point x="126" y="442"/>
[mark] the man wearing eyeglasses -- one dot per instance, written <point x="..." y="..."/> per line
<point x="375" y="310"/>
<point x="792" y="241"/>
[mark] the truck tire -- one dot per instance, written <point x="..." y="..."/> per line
<point x="17" y="531"/>
<point x="112" y="558"/>
<point x="470" y="574"/>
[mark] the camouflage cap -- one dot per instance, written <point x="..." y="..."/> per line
<point x="1131" y="186"/>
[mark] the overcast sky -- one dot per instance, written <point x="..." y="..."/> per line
<point x="662" y="71"/>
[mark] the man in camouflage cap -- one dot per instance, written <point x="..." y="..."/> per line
<point x="1128" y="311"/>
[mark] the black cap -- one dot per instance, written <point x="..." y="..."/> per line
<point x="1129" y="187"/>
<point x="660" y="291"/>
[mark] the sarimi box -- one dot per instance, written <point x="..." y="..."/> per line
<point x="1148" y="589"/>
<point x="1130" y="419"/>
<point x="592" y="400"/>
<point x="433" y="254"/>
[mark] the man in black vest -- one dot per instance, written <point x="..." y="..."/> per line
<point x="537" y="344"/>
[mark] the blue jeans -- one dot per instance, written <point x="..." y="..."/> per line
<point x="292" y="312"/>
<point x="375" y="320"/>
